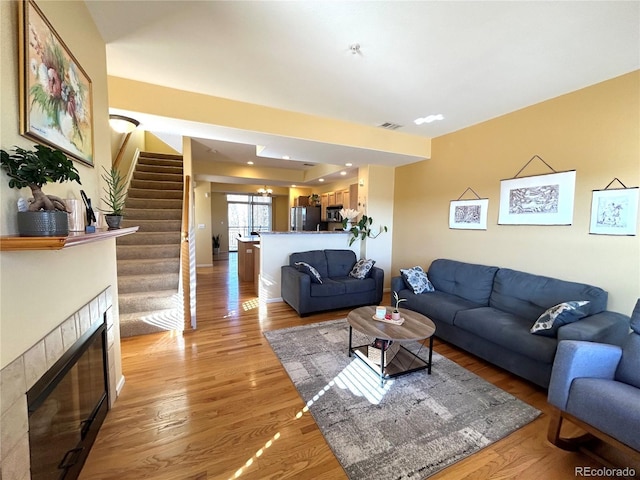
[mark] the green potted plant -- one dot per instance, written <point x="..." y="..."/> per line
<point x="395" y="315"/>
<point x="216" y="244"/>
<point x="314" y="199"/>
<point x="45" y="215"/>
<point x="362" y="229"/>
<point x="116" y="196"/>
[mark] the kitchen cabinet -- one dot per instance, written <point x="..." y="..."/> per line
<point x="332" y="198"/>
<point x="339" y="198"/>
<point x="324" y="203"/>
<point x="246" y="249"/>
<point x="353" y="196"/>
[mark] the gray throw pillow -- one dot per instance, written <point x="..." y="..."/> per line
<point x="550" y="321"/>
<point x="361" y="269"/>
<point x="416" y="279"/>
<point x="309" y="270"/>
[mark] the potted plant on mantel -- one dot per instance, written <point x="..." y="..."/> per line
<point x="45" y="215"/>
<point x="116" y="197"/>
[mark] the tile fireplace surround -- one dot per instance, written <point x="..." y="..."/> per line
<point x="21" y="374"/>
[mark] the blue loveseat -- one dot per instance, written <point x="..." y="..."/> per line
<point x="337" y="290"/>
<point x="489" y="311"/>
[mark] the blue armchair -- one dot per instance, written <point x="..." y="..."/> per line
<point x="597" y="387"/>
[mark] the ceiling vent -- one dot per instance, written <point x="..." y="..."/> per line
<point x="390" y="126"/>
<point x="309" y="164"/>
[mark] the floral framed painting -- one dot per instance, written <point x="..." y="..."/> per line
<point x="538" y="200"/>
<point x="56" y="102"/>
<point x="614" y="211"/>
<point x="468" y="214"/>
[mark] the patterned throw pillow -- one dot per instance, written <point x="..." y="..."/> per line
<point x="361" y="269"/>
<point x="309" y="270"/>
<point x="417" y="280"/>
<point x="550" y="321"/>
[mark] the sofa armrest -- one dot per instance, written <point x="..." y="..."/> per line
<point x="603" y="327"/>
<point x="397" y="284"/>
<point x="295" y="287"/>
<point x="378" y="275"/>
<point x="575" y="359"/>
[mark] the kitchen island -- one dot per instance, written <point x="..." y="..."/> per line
<point x="275" y="248"/>
<point x="246" y="248"/>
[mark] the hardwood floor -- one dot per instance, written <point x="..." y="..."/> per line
<point x="215" y="403"/>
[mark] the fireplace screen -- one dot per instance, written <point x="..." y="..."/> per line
<point x="66" y="408"/>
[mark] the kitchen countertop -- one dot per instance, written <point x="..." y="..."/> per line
<point x="306" y="232"/>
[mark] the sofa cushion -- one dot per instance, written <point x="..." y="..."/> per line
<point x="340" y="262"/>
<point x="328" y="288"/>
<point x="315" y="258"/>
<point x="469" y="281"/>
<point x="309" y="270"/>
<point x="551" y="320"/>
<point x="436" y="305"/>
<point x="610" y="406"/>
<point x="361" y="269"/>
<point x="355" y="285"/>
<point x="508" y="331"/>
<point x="416" y="279"/>
<point x="528" y="296"/>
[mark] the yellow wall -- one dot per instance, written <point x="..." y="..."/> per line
<point x="39" y="290"/>
<point x="594" y="131"/>
<point x="143" y="97"/>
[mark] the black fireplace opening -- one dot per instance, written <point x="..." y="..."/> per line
<point x="67" y="407"/>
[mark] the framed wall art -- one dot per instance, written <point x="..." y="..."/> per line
<point x="56" y="102"/>
<point x="614" y="211"/>
<point x="468" y="214"/>
<point x="538" y="200"/>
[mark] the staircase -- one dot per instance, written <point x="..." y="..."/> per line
<point x="149" y="260"/>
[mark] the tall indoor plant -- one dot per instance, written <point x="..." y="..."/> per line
<point x="116" y="196"/>
<point x="45" y="215"/>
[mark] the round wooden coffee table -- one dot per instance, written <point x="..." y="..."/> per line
<point x="416" y="327"/>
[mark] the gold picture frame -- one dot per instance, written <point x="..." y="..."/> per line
<point x="56" y="100"/>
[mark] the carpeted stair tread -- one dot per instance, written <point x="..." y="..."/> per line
<point x="153" y="203"/>
<point x="156" y="184"/>
<point x="151" y="238"/>
<point x="148" y="282"/>
<point x="148" y="265"/>
<point x="144" y="323"/>
<point x="136" y="302"/>
<point x="153" y="214"/>
<point x="158" y="176"/>
<point x="148" y="193"/>
<point x="151" y="225"/>
<point x="126" y="252"/>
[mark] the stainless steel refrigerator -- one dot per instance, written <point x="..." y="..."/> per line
<point x="305" y="218"/>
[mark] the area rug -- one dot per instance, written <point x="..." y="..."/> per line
<point x="411" y="428"/>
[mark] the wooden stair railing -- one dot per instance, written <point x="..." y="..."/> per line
<point x="185" y="254"/>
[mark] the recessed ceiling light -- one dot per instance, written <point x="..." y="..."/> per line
<point x="348" y="164"/>
<point x="428" y="119"/>
<point x="343" y="173"/>
<point x="286" y="157"/>
<point x="249" y="162"/>
<point x="293" y="186"/>
<point x="321" y="179"/>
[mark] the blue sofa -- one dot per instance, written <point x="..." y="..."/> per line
<point x="597" y="386"/>
<point x="489" y="311"/>
<point x="337" y="290"/>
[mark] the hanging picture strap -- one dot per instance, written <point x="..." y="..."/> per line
<point x="616" y="179"/>
<point x="531" y="160"/>
<point x="472" y="190"/>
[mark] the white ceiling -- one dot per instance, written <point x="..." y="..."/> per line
<point x="469" y="61"/>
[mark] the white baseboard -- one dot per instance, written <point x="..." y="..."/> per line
<point x="120" y="385"/>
